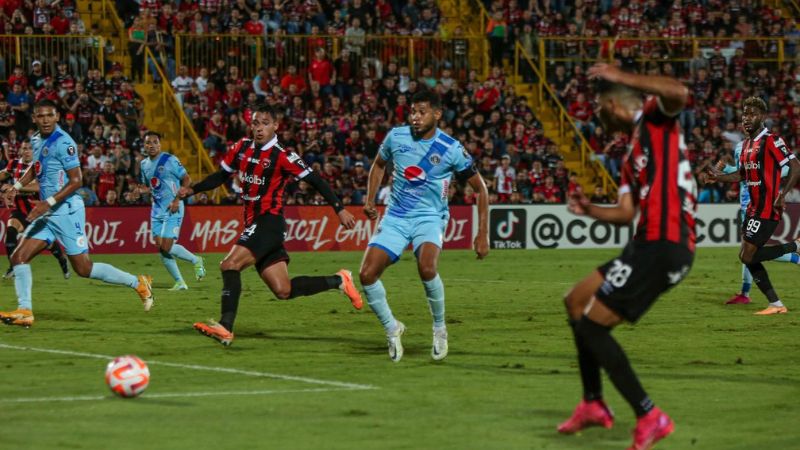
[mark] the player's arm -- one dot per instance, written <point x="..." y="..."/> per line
<point x="481" y="243"/>
<point x="24" y="180"/>
<point x="622" y="213"/>
<point x="208" y="183"/>
<point x="345" y="217"/>
<point x="376" y="173"/>
<point x="186" y="182"/>
<point x="794" y="174"/>
<point x="74" y="182"/>
<point x="672" y="94"/>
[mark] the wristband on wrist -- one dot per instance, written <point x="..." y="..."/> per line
<point x="51" y="201"/>
<point x="17" y="185"/>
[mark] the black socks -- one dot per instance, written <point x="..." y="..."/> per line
<point x="302" y="286"/>
<point x="231" y="291"/>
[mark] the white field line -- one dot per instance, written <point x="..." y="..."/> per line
<point x="251" y="373"/>
<point x="170" y="395"/>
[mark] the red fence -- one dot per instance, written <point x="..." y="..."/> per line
<point x="208" y="229"/>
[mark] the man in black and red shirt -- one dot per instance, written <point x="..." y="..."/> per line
<point x="763" y="155"/>
<point x="657" y="179"/>
<point x="22" y="205"/>
<point x="263" y="169"/>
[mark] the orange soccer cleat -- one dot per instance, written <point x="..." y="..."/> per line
<point x="770" y="310"/>
<point x="349" y="288"/>
<point x="214" y="330"/>
<point x="145" y="291"/>
<point x="18" y="317"/>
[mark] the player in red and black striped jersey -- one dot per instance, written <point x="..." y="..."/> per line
<point x="263" y="169"/>
<point x="760" y="163"/>
<point x="656" y="179"/>
<point x="22" y="205"/>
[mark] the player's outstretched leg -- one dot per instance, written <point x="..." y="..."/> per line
<point x="58" y="254"/>
<point x="427" y="262"/>
<point x="375" y="262"/>
<point x="761" y="278"/>
<point x="164" y="246"/>
<point x="23" y="283"/>
<point x="180" y="252"/>
<point x="592" y="410"/>
<point x="276" y="276"/>
<point x="107" y="273"/>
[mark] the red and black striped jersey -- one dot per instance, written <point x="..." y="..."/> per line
<point x="760" y="166"/>
<point x="658" y="174"/>
<point x="263" y="174"/>
<point x="22" y="201"/>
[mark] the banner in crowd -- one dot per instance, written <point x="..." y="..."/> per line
<point x="208" y="229"/>
<point x="552" y="226"/>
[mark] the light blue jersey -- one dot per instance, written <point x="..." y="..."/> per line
<point x="163" y="174"/>
<point x="53" y="156"/>
<point x="744" y="194"/>
<point x="422" y="172"/>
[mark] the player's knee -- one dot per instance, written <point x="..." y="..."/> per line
<point x="83" y="270"/>
<point x="226" y="265"/>
<point x="283" y="292"/>
<point x="165" y="248"/>
<point x="745" y="258"/>
<point x="367" y="276"/>
<point x="17" y="258"/>
<point x="427" y="272"/>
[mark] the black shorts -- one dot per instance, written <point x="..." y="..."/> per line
<point x="758" y="231"/>
<point x="17" y="214"/>
<point x="645" y="270"/>
<point x="264" y="238"/>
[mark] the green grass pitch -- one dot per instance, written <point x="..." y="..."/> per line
<point x="729" y="379"/>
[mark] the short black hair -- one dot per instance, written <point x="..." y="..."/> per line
<point x="152" y="133"/>
<point x="429" y="97"/>
<point x="265" y="109"/>
<point x="45" y="103"/>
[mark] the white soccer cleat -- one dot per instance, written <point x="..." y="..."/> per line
<point x="394" y="342"/>
<point x="439" y="348"/>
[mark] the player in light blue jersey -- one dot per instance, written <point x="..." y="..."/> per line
<point x="425" y="160"/>
<point x="743" y="296"/>
<point x="60" y="215"/>
<point x="163" y="175"/>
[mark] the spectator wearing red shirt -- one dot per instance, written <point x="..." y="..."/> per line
<point x="581" y="112"/>
<point x="254" y="26"/>
<point x="293" y="79"/>
<point x="232" y="99"/>
<point x="321" y="71"/>
<point x="60" y="24"/>
<point x="19" y="78"/>
<point x="106" y="181"/>
<point x="216" y="130"/>
<point x="487" y="97"/>
<point x="345" y="74"/>
<point x="548" y="193"/>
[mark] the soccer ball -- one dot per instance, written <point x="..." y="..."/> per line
<point x="127" y="376"/>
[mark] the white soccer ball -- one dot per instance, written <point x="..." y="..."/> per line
<point x="127" y="376"/>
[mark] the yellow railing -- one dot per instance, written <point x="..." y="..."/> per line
<point x="80" y="52"/>
<point x="567" y="129"/>
<point x="793" y="7"/>
<point x="659" y="49"/>
<point x="182" y="133"/>
<point x="249" y="53"/>
<point x="109" y="12"/>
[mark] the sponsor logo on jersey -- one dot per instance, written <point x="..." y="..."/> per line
<point x="404" y="148"/>
<point x="45" y="151"/>
<point x="37" y="166"/>
<point x="161" y="169"/>
<point x="415" y="175"/>
<point x="71" y="150"/>
<point x="752" y="165"/>
<point x="265" y="163"/>
<point x="251" y="179"/>
<point x="435" y="159"/>
<point x="155" y="183"/>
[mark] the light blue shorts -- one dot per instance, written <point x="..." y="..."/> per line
<point x="395" y="233"/>
<point x="168" y="227"/>
<point x="68" y="228"/>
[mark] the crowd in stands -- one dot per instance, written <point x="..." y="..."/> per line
<point x="724" y="71"/>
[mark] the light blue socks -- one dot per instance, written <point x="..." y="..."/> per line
<point x="180" y="252"/>
<point x="789" y="257"/>
<point x="747" y="280"/>
<point x="172" y="267"/>
<point x="376" y="298"/>
<point x="112" y="275"/>
<point x="434" y="290"/>
<point x="23" y="282"/>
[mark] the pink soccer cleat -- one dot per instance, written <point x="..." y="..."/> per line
<point x="651" y="428"/>
<point x="738" y="299"/>
<point x="588" y="414"/>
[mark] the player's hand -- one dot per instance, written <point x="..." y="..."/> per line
<point x="39" y="208"/>
<point x="709" y="176"/>
<point x="370" y="211"/>
<point x="174" y="206"/>
<point x="780" y="202"/>
<point x="185" y="191"/>
<point x="481" y="244"/>
<point x="347" y="219"/>
<point x="578" y="204"/>
<point x="605" y="71"/>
